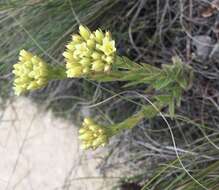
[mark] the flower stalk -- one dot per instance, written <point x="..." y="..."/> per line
<point x="94" y="135"/>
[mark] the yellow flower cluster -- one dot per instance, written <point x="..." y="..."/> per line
<point x="89" y="52"/>
<point x="93" y="135"/>
<point x="30" y="73"/>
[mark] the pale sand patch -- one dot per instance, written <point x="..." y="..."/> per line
<point x="41" y="152"/>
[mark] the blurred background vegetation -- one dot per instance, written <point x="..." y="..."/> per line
<point x="148" y="31"/>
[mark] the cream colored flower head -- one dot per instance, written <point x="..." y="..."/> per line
<point x="93" y="135"/>
<point x="89" y="52"/>
<point x="30" y="73"/>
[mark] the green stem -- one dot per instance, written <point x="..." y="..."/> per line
<point x="57" y="73"/>
<point x="123" y="69"/>
<point x="147" y="112"/>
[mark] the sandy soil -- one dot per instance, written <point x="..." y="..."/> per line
<point x="41" y="152"/>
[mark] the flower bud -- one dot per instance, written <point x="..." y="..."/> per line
<point x="25" y="56"/>
<point x="99" y="36"/>
<point x="75" y="72"/>
<point x="84" y="32"/>
<point x="108" y="46"/>
<point x="85" y="62"/>
<point x="88" y="121"/>
<point x="96" y="55"/>
<point x="91" y="43"/>
<point x="77" y="38"/>
<point x="97" y="66"/>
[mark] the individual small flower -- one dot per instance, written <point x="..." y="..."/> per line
<point x="89" y="52"/>
<point x="93" y="135"/>
<point x="31" y="73"/>
<point x="108" y="45"/>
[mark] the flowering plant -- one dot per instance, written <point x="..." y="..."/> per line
<point x="93" y="55"/>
